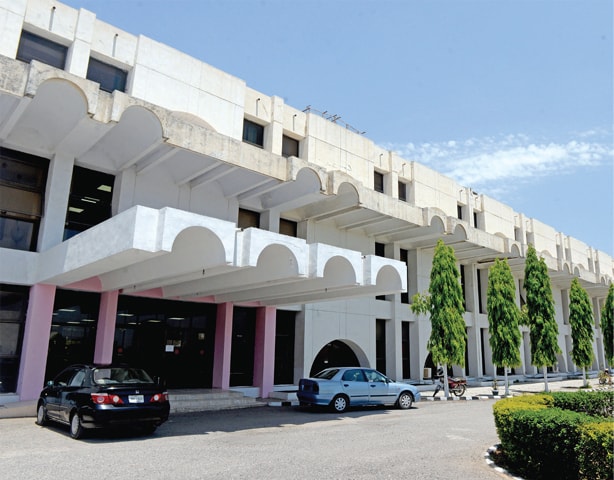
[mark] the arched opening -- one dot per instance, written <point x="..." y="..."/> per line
<point x="334" y="354"/>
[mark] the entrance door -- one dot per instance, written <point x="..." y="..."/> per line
<point x="242" y="349"/>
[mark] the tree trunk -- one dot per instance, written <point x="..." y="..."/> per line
<point x="446" y="387"/>
<point x="546" y="379"/>
<point x="584" y="377"/>
<point x="507" y="385"/>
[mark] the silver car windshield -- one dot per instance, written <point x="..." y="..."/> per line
<point x="114" y="375"/>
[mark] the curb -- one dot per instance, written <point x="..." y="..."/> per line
<point x="459" y="399"/>
<point x="493" y="465"/>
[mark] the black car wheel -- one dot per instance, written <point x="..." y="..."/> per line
<point x="76" y="429"/>
<point x="41" y="415"/>
<point x="405" y="400"/>
<point x="340" y="403"/>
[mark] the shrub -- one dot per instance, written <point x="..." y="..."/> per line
<point x="594" y="450"/>
<point x="552" y="436"/>
<point x="600" y="404"/>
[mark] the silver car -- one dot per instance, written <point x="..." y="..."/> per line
<point x="341" y="387"/>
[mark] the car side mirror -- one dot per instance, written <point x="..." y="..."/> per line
<point x="50" y="383"/>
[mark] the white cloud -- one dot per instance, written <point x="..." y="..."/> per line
<point x="495" y="164"/>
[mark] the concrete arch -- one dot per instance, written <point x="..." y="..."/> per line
<point x="340" y="271"/>
<point x="436" y="221"/>
<point x="309" y="177"/>
<point x="38" y="127"/>
<point x="460" y="232"/>
<point x="195" y="246"/>
<point x="388" y="279"/>
<point x="338" y="353"/>
<point x="348" y="190"/>
<point x="515" y="250"/>
<point x="278" y="261"/>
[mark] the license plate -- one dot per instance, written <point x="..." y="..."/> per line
<point x="136" y="399"/>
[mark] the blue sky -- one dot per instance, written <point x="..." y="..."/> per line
<point x="513" y="98"/>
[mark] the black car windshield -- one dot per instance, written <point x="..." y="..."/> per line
<point x="327" y="374"/>
<point x="114" y="375"/>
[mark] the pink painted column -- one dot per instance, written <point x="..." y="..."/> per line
<point x="105" y="329"/>
<point x="223" y="343"/>
<point x="264" y="350"/>
<point x="35" y="341"/>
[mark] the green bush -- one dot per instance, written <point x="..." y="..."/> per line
<point x="594" y="450"/>
<point x="552" y="436"/>
<point x="600" y="404"/>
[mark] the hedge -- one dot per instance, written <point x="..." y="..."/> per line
<point x="541" y="440"/>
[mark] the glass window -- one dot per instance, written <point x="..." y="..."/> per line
<point x="378" y="182"/>
<point x="402" y="191"/>
<point x="13" y="303"/>
<point x="22" y="184"/>
<point x="109" y="77"/>
<point x="32" y="47"/>
<point x="289" y="147"/>
<point x="89" y="202"/>
<point x="253" y="133"/>
<point x="248" y="219"/>
<point x="287" y="227"/>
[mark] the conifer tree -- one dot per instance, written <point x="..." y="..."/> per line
<point x="581" y="321"/>
<point x="503" y="318"/>
<point x="540" y="313"/>
<point x="444" y="302"/>
<point x="607" y="326"/>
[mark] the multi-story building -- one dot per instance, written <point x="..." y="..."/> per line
<point x="156" y="210"/>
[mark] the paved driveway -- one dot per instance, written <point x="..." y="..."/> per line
<point x="433" y="440"/>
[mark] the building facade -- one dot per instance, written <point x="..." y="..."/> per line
<point x="156" y="210"/>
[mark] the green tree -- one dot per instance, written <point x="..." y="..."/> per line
<point x="503" y="318"/>
<point x="581" y="321"/>
<point x="543" y="329"/>
<point x="607" y="326"/>
<point x="444" y="302"/>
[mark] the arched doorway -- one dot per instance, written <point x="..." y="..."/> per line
<point x="334" y="354"/>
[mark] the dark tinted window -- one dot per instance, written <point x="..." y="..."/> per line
<point x="289" y="147"/>
<point x="32" y="47"/>
<point x="253" y="133"/>
<point x="327" y="374"/>
<point x="378" y="182"/>
<point x="402" y="191"/>
<point x="109" y="77"/>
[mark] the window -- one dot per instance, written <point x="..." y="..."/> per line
<point x="380" y="251"/>
<point x="289" y="147"/>
<point x="13" y="305"/>
<point x="89" y="202"/>
<point x="248" y="219"/>
<point x="32" y="47"/>
<point x="459" y="211"/>
<point x="22" y="184"/>
<point x="109" y="77"/>
<point x="253" y="133"/>
<point x="287" y="227"/>
<point x="378" y="182"/>
<point x="403" y="191"/>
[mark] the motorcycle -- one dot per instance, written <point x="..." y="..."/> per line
<point x="456" y="385"/>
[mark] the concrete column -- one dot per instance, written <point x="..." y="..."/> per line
<point x="35" y="341"/>
<point x="79" y="52"/>
<point x="273" y="133"/>
<point x="56" y="201"/>
<point x="223" y="343"/>
<point x="105" y="329"/>
<point x="264" y="351"/>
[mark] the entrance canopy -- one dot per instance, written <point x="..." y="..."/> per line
<point x="170" y="253"/>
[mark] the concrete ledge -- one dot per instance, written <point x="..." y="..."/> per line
<point x="18" y="409"/>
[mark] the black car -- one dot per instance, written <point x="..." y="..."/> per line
<point x="103" y="396"/>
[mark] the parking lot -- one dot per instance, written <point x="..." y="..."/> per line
<point x="433" y="440"/>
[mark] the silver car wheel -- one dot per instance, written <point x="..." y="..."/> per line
<point x="76" y="429"/>
<point x="41" y="415"/>
<point x="340" y="403"/>
<point x="405" y="401"/>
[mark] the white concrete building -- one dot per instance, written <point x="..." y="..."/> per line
<point x="156" y="210"/>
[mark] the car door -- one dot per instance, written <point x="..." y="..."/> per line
<point x="54" y="391"/>
<point x="379" y="388"/>
<point x="67" y="395"/>
<point x="354" y="385"/>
